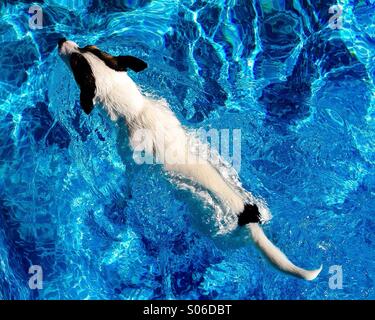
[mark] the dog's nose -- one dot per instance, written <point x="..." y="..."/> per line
<point x="61" y="41"/>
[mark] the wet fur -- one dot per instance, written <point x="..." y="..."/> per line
<point x="117" y="93"/>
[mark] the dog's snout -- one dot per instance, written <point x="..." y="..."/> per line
<point x="61" y="41"/>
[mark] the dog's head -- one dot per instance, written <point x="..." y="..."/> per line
<point x="66" y="48"/>
<point x="74" y="57"/>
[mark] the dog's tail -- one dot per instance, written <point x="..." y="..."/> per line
<point x="248" y="214"/>
<point x="278" y="258"/>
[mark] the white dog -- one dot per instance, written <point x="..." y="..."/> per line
<point x="103" y="80"/>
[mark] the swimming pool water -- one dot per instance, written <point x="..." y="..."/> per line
<point x="101" y="227"/>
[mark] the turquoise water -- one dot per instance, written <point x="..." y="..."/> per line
<point x="101" y="227"/>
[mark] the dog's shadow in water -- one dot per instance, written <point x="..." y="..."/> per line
<point x="200" y="216"/>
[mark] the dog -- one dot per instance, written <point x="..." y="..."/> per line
<point x="103" y="80"/>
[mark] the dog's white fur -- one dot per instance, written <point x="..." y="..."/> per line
<point x="121" y="97"/>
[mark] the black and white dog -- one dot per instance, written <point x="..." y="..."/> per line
<point x="103" y="80"/>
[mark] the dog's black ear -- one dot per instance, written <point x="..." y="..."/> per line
<point x="85" y="79"/>
<point x="125" y="62"/>
<point x="120" y="63"/>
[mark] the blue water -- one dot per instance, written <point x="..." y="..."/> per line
<point x="101" y="227"/>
